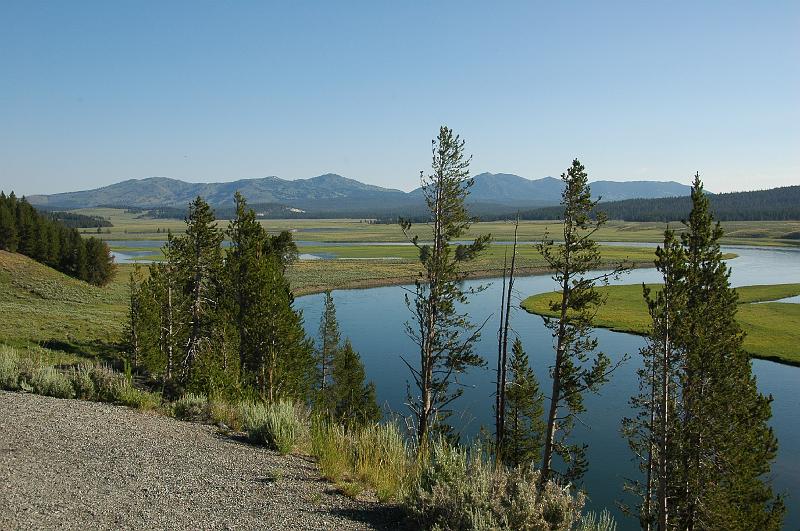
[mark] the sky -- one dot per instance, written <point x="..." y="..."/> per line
<point x="93" y="93"/>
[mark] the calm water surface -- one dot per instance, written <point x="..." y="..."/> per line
<point x="373" y="319"/>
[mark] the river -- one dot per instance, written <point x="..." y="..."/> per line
<point x="373" y="320"/>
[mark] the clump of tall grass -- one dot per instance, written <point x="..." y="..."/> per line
<point x="374" y="455"/>
<point x="458" y="488"/>
<point x="81" y="379"/>
<point x="9" y="369"/>
<point x="223" y="413"/>
<point x="127" y="395"/>
<point x="280" y="425"/>
<point x="106" y="382"/>
<point x="191" y="406"/>
<point x="49" y="381"/>
<point x="594" y="522"/>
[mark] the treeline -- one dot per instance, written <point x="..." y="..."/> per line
<point x="777" y="204"/>
<point x="222" y="323"/>
<point x="41" y="237"/>
<point x="74" y="220"/>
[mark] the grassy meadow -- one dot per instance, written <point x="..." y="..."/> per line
<point x="773" y="328"/>
<point x="128" y="226"/>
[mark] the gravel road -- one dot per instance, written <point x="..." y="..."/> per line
<point x="67" y="464"/>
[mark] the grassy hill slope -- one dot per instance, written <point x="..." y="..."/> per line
<point x="41" y="306"/>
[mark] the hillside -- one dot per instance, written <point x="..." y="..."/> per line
<point x="39" y="303"/>
<point x="335" y="196"/>
<point x="777" y="204"/>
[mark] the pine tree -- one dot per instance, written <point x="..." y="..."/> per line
<point x="353" y="400"/>
<point x="329" y="345"/>
<point x="246" y="278"/>
<point x="726" y="443"/>
<point x="199" y="262"/>
<point x="524" y="405"/>
<point x="651" y="433"/>
<point x="8" y="225"/>
<point x="287" y="367"/>
<point x="444" y="336"/>
<point x="577" y="367"/>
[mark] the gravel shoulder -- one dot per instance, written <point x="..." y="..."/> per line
<point x="67" y="464"/>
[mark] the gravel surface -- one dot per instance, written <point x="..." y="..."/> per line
<point x="72" y="464"/>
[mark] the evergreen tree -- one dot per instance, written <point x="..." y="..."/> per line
<point x="329" y="345"/>
<point x="8" y="225"/>
<point x="651" y="433"/>
<point x="524" y="427"/>
<point x="286" y="366"/>
<point x="246" y="278"/>
<point x="725" y="440"/>
<point x="444" y="336"/>
<point x="577" y="367"/>
<point x="198" y="263"/>
<point x="353" y="400"/>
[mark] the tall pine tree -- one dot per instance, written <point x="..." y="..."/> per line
<point x="725" y="440"/>
<point x="577" y="367"/>
<point x="445" y="336"/>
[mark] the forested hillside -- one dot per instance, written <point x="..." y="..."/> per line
<point x="46" y="240"/>
<point x="777" y="204"/>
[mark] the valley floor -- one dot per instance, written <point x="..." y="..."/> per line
<point x="73" y="464"/>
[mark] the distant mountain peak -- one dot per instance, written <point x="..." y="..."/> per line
<point x="331" y="192"/>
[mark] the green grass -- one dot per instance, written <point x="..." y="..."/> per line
<point x="773" y="329"/>
<point x="131" y="227"/>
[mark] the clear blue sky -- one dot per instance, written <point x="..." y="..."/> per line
<point x="92" y="93"/>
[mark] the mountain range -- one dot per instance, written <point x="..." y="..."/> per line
<point x="331" y="193"/>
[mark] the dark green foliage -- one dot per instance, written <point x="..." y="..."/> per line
<point x="577" y="367"/>
<point x="203" y="324"/>
<point x="24" y="230"/>
<point x="778" y="204"/>
<point x="74" y="220"/>
<point x="329" y="345"/>
<point x="274" y="354"/>
<point x="651" y="433"/>
<point x="524" y="404"/>
<point x="702" y="426"/>
<point x="352" y="399"/>
<point x="198" y="258"/>
<point x="444" y="336"/>
<point x="724" y="433"/>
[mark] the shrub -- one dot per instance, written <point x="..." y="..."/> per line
<point x="457" y="489"/>
<point x="50" y="382"/>
<point x="592" y="522"/>
<point x="333" y="450"/>
<point x="279" y="425"/>
<point x="373" y="455"/>
<point x="382" y="459"/>
<point x="9" y="369"/>
<point x="106" y="382"/>
<point x="82" y="383"/>
<point x="222" y="412"/>
<point x="191" y="406"/>
<point x="127" y="395"/>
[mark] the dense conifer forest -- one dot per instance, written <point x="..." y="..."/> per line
<point x="49" y="241"/>
<point x="778" y="204"/>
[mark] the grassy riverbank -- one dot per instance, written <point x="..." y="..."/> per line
<point x="773" y="328"/>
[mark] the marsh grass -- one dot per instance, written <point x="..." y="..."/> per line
<point x="281" y="426"/>
<point x="773" y="328"/>
<point x="375" y="456"/>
